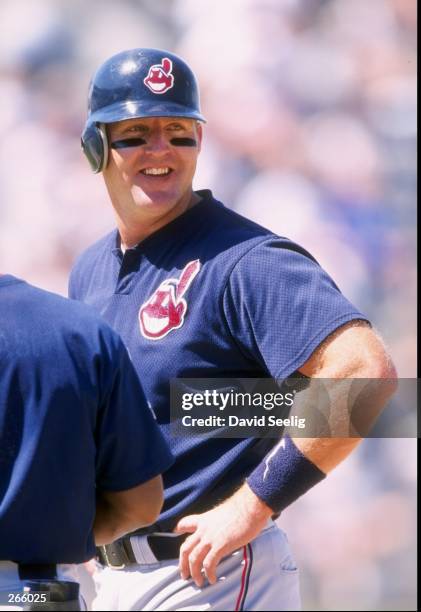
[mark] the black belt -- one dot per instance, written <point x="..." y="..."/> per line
<point x="120" y="553"/>
<point x="37" y="571"/>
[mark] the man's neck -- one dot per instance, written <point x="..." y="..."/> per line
<point x="132" y="231"/>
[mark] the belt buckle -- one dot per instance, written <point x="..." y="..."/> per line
<point x="110" y="553"/>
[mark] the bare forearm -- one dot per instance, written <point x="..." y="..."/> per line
<point x="121" y="512"/>
<point x="355" y="377"/>
<point x="326" y="453"/>
<point x="109" y="525"/>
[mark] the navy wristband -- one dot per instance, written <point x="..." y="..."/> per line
<point x="283" y="476"/>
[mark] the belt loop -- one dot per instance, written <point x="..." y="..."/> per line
<point x="142" y="551"/>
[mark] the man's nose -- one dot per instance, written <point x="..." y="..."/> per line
<point x="157" y="142"/>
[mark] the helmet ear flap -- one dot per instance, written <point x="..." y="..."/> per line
<point x="94" y="144"/>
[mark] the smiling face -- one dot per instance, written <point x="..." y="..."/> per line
<point x="151" y="167"/>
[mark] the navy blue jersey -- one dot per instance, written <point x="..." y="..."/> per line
<point x="210" y="295"/>
<point x="72" y="416"/>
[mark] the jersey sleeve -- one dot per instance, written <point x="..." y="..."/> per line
<point x="279" y="305"/>
<point x="131" y="448"/>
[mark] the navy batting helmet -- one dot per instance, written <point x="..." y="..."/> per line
<point x="137" y="83"/>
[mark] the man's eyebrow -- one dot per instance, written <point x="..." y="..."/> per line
<point x="127" y="128"/>
<point x="121" y="130"/>
<point x="177" y="122"/>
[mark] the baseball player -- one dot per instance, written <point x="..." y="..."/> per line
<point x="74" y="426"/>
<point x="197" y="291"/>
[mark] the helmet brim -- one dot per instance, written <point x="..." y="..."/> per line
<point x="139" y="109"/>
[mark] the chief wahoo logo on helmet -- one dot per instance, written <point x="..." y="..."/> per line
<point x="166" y="308"/>
<point x="160" y="78"/>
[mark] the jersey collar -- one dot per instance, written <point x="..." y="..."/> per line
<point x="184" y="225"/>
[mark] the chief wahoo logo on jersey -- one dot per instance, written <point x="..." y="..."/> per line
<point x="166" y="309"/>
<point x="160" y="78"/>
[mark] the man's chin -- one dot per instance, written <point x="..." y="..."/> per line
<point x="159" y="200"/>
<point x="156" y="200"/>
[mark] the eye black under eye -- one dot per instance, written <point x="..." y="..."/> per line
<point x="128" y="142"/>
<point x="183" y="142"/>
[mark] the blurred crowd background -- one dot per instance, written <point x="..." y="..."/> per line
<point x="311" y="109"/>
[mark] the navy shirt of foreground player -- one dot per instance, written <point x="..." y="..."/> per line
<point x="72" y="414"/>
<point x="210" y="295"/>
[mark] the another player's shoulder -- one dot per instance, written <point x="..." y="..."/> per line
<point x="65" y="318"/>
